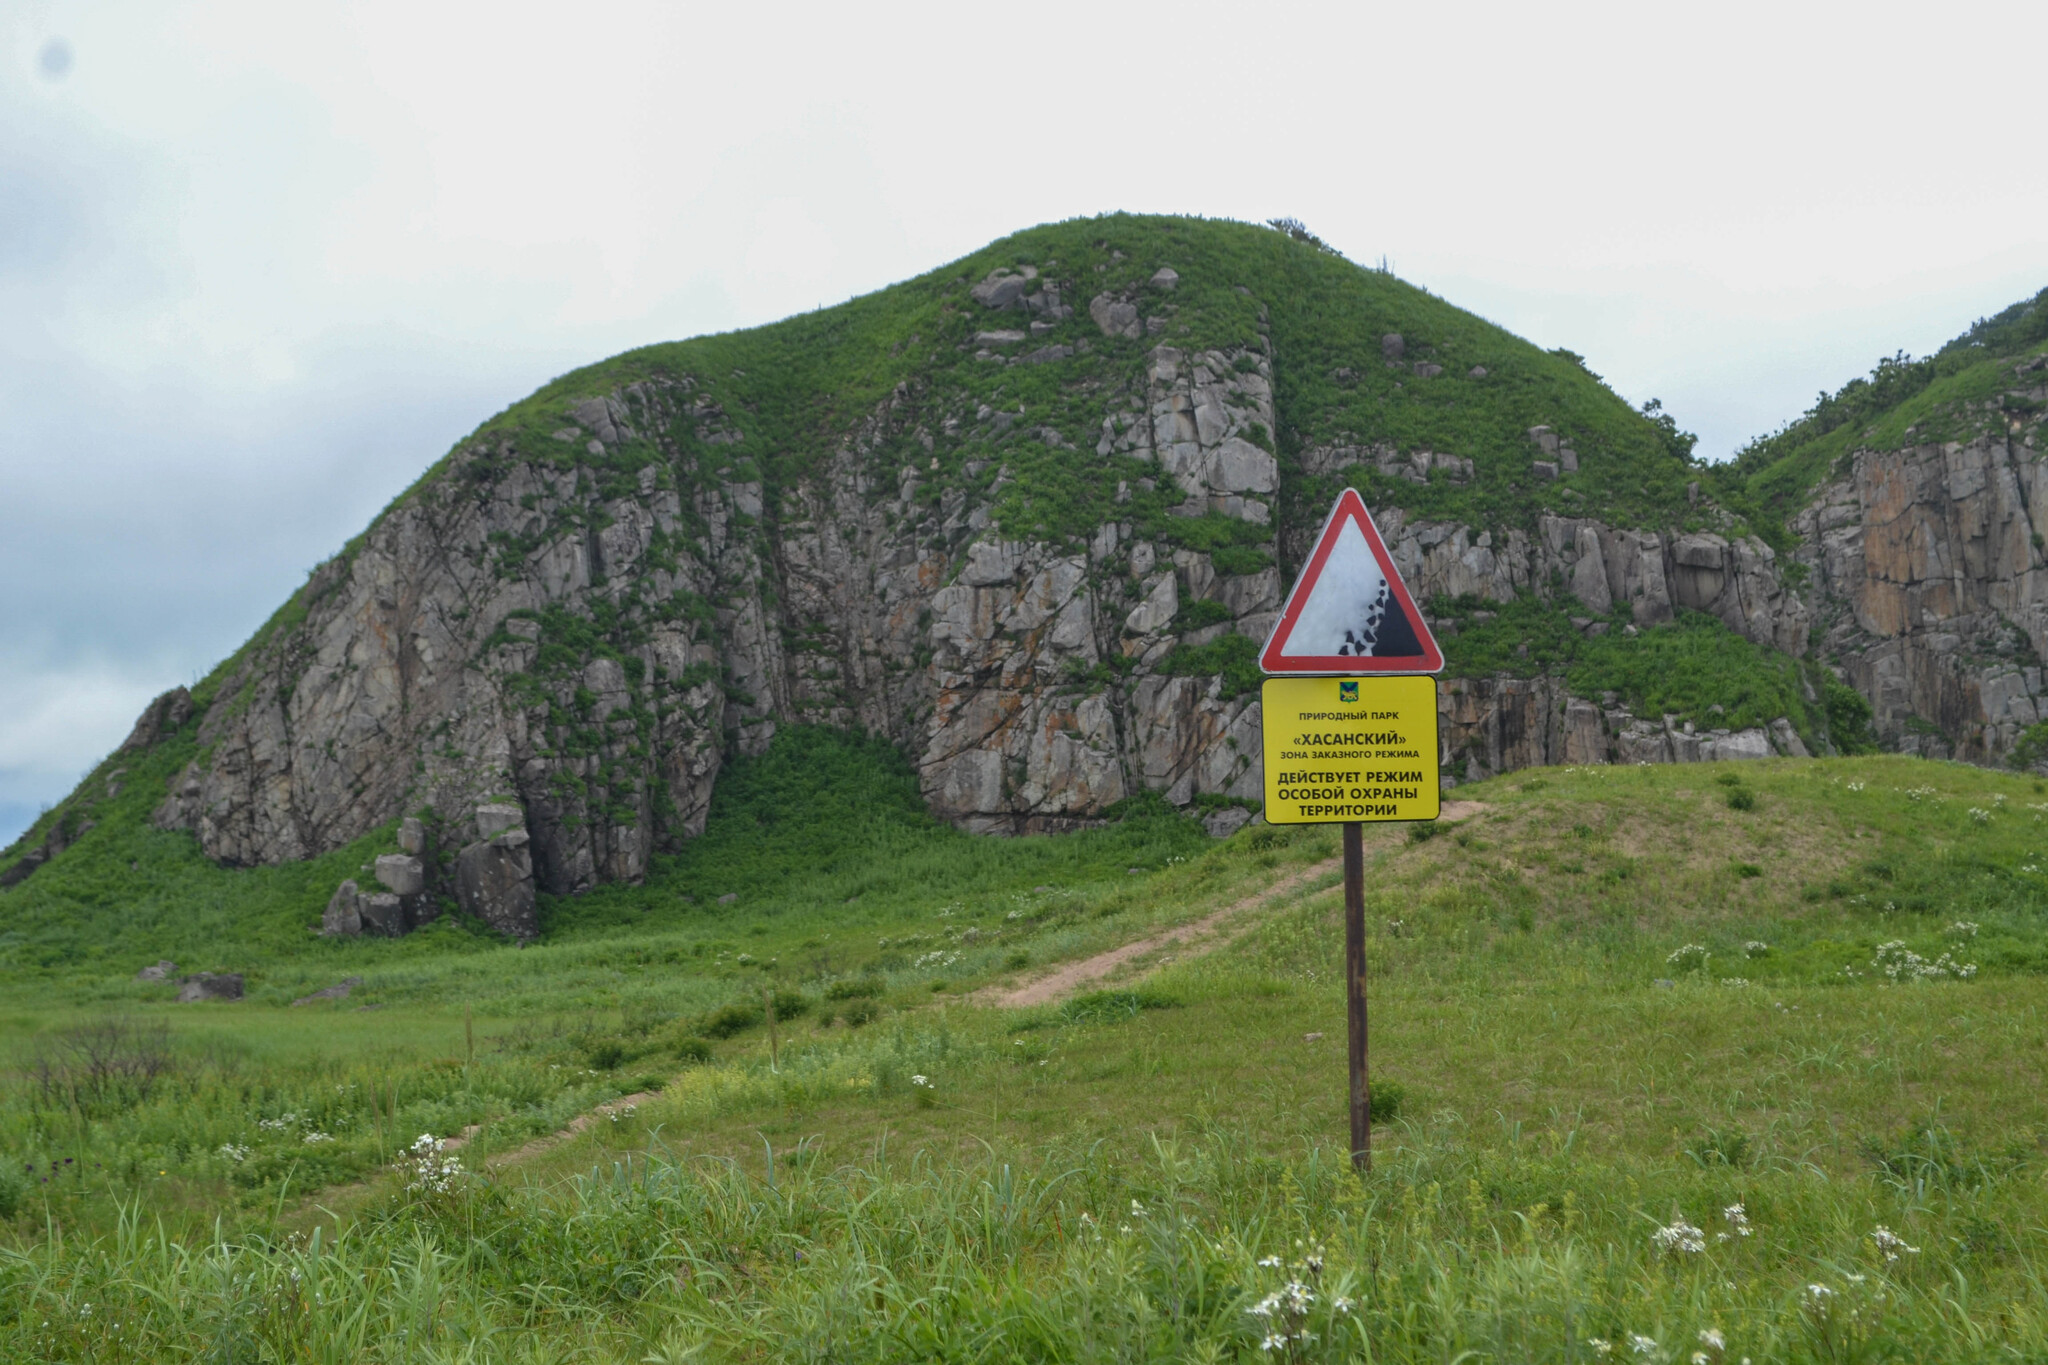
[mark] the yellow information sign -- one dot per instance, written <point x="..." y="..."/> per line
<point x="1339" y="749"/>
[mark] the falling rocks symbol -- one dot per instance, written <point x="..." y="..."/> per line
<point x="1349" y="611"/>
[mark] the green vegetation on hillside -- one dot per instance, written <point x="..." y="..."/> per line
<point x="797" y="389"/>
<point x="1694" y="668"/>
<point x="1965" y="389"/>
<point x="1592" y="1041"/>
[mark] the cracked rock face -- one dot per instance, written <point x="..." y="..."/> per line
<point x="1936" y="591"/>
<point x="447" y="664"/>
<point x="558" y="638"/>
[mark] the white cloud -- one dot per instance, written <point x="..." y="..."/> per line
<point x="261" y="263"/>
<point x="55" y="724"/>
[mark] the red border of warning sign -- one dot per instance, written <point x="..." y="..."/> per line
<point x="1431" y="660"/>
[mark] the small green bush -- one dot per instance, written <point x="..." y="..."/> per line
<point x="691" y="1049"/>
<point x="649" y="1084"/>
<point x="1422" y="831"/>
<point x="13" y="1188"/>
<point x="605" y="1054"/>
<point x="1018" y="958"/>
<point x="1718" y="1148"/>
<point x="861" y="1011"/>
<point x="853" y="988"/>
<point x="1747" y="870"/>
<point x="727" y="1020"/>
<point x="791" y="1005"/>
<point x="1384" y="1100"/>
<point x="1741" y="798"/>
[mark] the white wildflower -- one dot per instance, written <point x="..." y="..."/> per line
<point x="1641" y="1344"/>
<point x="1962" y="928"/>
<point x="234" y="1152"/>
<point x="1712" y="1339"/>
<point x="921" y="1081"/>
<point x="1890" y="1243"/>
<point x="1737" y="1220"/>
<point x="1680" y="1236"/>
<point x="1600" y="1346"/>
<point x="1692" y="955"/>
<point x="315" y="1138"/>
<point x="1756" y="947"/>
<point x="427" y="1169"/>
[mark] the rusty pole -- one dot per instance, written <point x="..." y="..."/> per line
<point x="1354" y="995"/>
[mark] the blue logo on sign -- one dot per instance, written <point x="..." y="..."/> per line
<point x="1347" y="691"/>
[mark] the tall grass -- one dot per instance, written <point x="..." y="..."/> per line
<point x="1613" y="1007"/>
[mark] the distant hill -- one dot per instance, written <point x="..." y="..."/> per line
<point x="1981" y="384"/>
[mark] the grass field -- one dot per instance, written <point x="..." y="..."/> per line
<point x="1720" y="1061"/>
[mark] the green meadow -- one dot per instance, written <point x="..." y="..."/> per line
<point x="1670" y="1064"/>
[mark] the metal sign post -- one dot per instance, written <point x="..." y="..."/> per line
<point x="1351" y="750"/>
<point x="1354" y="995"/>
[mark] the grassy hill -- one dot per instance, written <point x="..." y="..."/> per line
<point x="799" y="390"/>
<point x="1822" y="1003"/>
<point x="1966" y="389"/>
<point x="796" y="388"/>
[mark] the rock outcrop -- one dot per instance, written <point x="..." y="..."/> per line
<point x="1038" y="562"/>
<point x="1930" y="563"/>
<point x="494" y="876"/>
<point x="209" y="986"/>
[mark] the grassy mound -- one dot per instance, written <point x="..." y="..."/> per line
<point x="1659" y="1049"/>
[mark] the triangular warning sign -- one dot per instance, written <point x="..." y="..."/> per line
<point x="1349" y="611"/>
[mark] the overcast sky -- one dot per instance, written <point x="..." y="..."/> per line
<point x="260" y="264"/>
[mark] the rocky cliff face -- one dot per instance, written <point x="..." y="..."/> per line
<point x="1039" y="563"/>
<point x="451" y="661"/>
<point x="1930" y="563"/>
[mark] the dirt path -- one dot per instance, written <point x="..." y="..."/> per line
<point x="1074" y="975"/>
<point x="624" y="1104"/>
<point x="1044" y="990"/>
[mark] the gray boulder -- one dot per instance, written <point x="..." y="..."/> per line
<point x="412" y="835"/>
<point x="1786" y="739"/>
<point x="494" y="882"/>
<point x="1391" y="346"/>
<point x="343" y="917"/>
<point x="402" y="874"/>
<point x="1166" y="277"/>
<point x="383" y="914"/>
<point x="1114" y="316"/>
<point x="1002" y="289"/>
<point x="1226" y="821"/>
<point x="162" y="971"/>
<point x="210" y="986"/>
